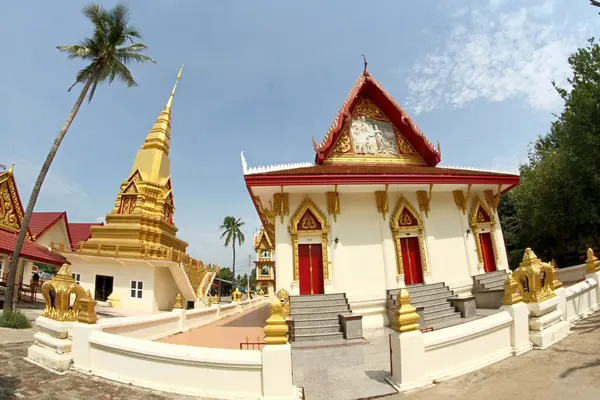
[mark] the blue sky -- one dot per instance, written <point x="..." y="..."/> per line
<point x="267" y="76"/>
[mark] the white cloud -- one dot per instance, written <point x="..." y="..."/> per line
<point x="55" y="184"/>
<point x="510" y="53"/>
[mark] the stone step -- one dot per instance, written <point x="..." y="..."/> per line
<point x="315" y="297"/>
<point x="430" y="314"/>
<point x="317" y="337"/>
<point x="417" y="288"/>
<point x="489" y="274"/>
<point x="417" y="300"/>
<point x="315" y="322"/>
<point x="444" y="318"/>
<point x="315" y="315"/>
<point x="493" y="278"/>
<point x="494" y="286"/>
<point x="313" y="330"/>
<point x="318" y="310"/>
<point x="316" y="304"/>
<point x="429" y="292"/>
<point x="434" y="305"/>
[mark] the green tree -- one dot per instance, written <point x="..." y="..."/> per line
<point x="111" y="47"/>
<point x="232" y="232"/>
<point x="560" y="184"/>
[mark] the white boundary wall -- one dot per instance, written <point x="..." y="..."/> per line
<point x="571" y="274"/>
<point x="121" y="349"/>
<point x="421" y="359"/>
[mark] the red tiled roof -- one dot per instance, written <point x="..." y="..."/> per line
<point x="40" y="222"/>
<point x="80" y="232"/>
<point x="30" y="250"/>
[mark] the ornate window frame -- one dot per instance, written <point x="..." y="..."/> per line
<point x="397" y="230"/>
<point x="476" y="228"/>
<point x="308" y="204"/>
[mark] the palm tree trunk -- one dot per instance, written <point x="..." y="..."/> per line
<point x="234" y="283"/>
<point x="12" y="268"/>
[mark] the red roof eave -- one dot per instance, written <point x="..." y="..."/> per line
<point x="367" y="179"/>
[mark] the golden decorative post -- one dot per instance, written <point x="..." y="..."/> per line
<point x="276" y="329"/>
<point x="236" y="296"/>
<point x="405" y="317"/>
<point x="261" y="293"/>
<point x="591" y="263"/>
<point x="62" y="285"/>
<point x="284" y="297"/>
<point x="87" y="309"/>
<point x="178" y="301"/>
<point x="511" y="292"/>
<point x="529" y="278"/>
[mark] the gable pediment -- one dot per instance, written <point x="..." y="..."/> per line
<point x="369" y="136"/>
<point x="11" y="210"/>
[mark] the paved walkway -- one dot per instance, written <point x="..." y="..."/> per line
<point x="227" y="333"/>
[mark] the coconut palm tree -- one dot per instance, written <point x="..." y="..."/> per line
<point x="111" y="47"/>
<point x="232" y="232"/>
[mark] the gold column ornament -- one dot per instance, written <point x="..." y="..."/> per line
<point x="236" y="296"/>
<point x="532" y="287"/>
<point x="284" y="297"/>
<point x="405" y="317"/>
<point x="63" y="285"/>
<point x="276" y="329"/>
<point x="511" y="292"/>
<point x="424" y="200"/>
<point x="381" y="200"/>
<point x="333" y="203"/>
<point x="87" y="309"/>
<point x="281" y="205"/>
<point x="261" y="293"/>
<point x="460" y="200"/>
<point x="591" y="263"/>
<point x="178" y="301"/>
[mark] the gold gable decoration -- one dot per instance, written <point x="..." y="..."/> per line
<point x="379" y="141"/>
<point x="11" y="213"/>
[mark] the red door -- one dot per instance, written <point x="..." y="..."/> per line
<point x="411" y="260"/>
<point x="310" y="265"/>
<point x="487" y="252"/>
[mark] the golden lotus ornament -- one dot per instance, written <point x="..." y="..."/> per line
<point x="536" y="279"/>
<point x="63" y="286"/>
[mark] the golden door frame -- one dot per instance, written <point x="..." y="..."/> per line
<point x="308" y="204"/>
<point x="476" y="228"/>
<point x="397" y="230"/>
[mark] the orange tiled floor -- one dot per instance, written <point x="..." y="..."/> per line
<point x="227" y="333"/>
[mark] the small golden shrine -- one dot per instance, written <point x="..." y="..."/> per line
<point x="536" y="280"/>
<point x="57" y="295"/>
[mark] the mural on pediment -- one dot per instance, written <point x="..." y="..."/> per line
<point x="370" y="136"/>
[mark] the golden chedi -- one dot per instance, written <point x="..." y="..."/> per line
<point x="276" y="330"/>
<point x="591" y="263"/>
<point x="405" y="317"/>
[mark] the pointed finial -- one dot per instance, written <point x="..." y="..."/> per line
<point x="439" y="149"/>
<point x="366" y="63"/>
<point x="174" y="88"/>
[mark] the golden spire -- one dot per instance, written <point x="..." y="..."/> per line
<point x="159" y="136"/>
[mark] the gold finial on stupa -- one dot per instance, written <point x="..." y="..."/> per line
<point x="591" y="263"/>
<point x="405" y="317"/>
<point x="276" y="329"/>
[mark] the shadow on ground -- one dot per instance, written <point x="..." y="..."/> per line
<point x="254" y="318"/>
<point x="588" y="325"/>
<point x="8" y="386"/>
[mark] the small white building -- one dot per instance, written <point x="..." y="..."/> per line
<point x="375" y="211"/>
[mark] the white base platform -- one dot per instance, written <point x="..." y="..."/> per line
<point x="550" y="335"/>
<point x="49" y="359"/>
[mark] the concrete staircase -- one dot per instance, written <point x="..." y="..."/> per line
<point x="488" y="289"/>
<point x="434" y="298"/>
<point x="315" y="317"/>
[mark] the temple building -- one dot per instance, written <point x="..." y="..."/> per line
<point x="265" y="263"/>
<point x="374" y="212"/>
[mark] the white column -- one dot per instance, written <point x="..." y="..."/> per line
<point x="519" y="330"/>
<point x="4" y="266"/>
<point x="408" y="361"/>
<point x="277" y="372"/>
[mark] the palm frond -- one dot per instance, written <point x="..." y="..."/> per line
<point x="76" y="51"/>
<point x="129" y="56"/>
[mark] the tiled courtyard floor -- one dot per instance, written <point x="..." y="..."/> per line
<point x="227" y="333"/>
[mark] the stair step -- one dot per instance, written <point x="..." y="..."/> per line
<point x="318" y="304"/>
<point x="313" y="330"/>
<point x="315" y="315"/>
<point x="315" y="297"/>
<point x="314" y="322"/>
<point x="489" y="274"/>
<point x="429" y="314"/>
<point x="493" y="278"/>
<point x="417" y="300"/>
<point x="317" y="337"/>
<point x="431" y="291"/>
<point x="319" y="310"/>
<point x="494" y="286"/>
<point x="417" y="288"/>
<point x="444" y="318"/>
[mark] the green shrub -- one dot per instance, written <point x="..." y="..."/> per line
<point x="15" y="320"/>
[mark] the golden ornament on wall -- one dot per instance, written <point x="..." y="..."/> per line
<point x="366" y="108"/>
<point x="63" y="285"/>
<point x="536" y="280"/>
<point x="403" y="145"/>
<point x="343" y="144"/>
<point x="308" y="222"/>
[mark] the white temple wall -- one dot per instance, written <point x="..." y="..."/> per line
<point x="122" y="277"/>
<point x="165" y="289"/>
